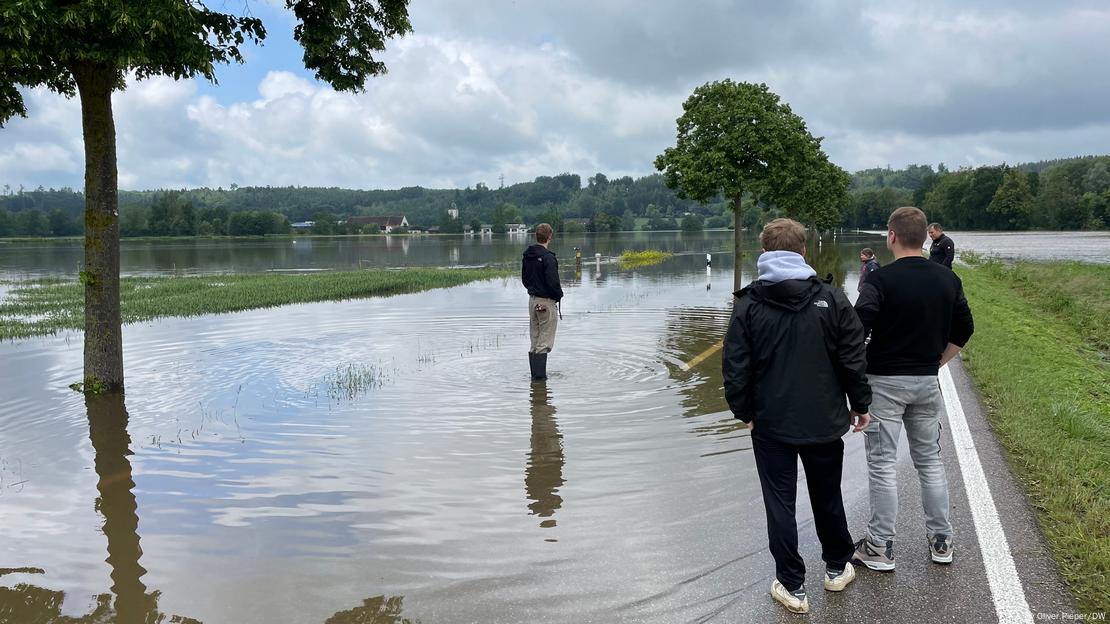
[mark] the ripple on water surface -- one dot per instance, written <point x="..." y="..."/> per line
<point x="294" y="463"/>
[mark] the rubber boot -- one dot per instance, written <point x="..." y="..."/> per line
<point x="532" y="365"/>
<point x="539" y="372"/>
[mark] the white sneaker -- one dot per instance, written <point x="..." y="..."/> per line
<point x="837" y="582"/>
<point x="794" y="601"/>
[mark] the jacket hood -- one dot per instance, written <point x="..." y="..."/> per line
<point x="536" y="250"/>
<point x="791" y="294"/>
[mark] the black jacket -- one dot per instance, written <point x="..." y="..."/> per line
<point x="943" y="251"/>
<point x="793" y="350"/>
<point x="913" y="309"/>
<point x="539" y="272"/>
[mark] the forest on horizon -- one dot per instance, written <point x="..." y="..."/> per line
<point x="1062" y="194"/>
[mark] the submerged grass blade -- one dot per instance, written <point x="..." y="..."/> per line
<point x="47" y="306"/>
<point x="647" y="257"/>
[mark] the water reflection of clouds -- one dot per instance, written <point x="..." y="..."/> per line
<point x="276" y="505"/>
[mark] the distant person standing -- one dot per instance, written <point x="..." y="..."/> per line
<point x="919" y="320"/>
<point x="793" y="351"/>
<point x="868" y="263"/>
<point x="943" y="250"/>
<point x="539" y="272"/>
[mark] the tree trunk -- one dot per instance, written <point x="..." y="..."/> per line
<point x="103" y="334"/>
<point x="736" y="240"/>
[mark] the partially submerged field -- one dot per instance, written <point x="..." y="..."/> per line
<point x="1041" y="358"/>
<point x="46" y="306"/>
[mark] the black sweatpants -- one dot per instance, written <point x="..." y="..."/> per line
<point x="777" y="464"/>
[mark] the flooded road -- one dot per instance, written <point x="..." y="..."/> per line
<point x="388" y="460"/>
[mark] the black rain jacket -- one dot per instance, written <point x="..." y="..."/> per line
<point x="539" y="272"/>
<point x="794" y="349"/>
<point x="943" y="251"/>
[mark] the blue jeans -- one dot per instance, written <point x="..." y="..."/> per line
<point x="915" y="404"/>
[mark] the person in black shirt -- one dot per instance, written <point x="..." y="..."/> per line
<point x="919" y="319"/>
<point x="539" y="272"/>
<point x="793" y="351"/>
<point x="943" y="250"/>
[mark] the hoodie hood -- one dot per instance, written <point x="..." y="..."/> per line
<point x="535" y="251"/>
<point x="777" y="266"/>
<point x="794" y="294"/>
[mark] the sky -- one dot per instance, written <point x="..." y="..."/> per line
<point x="526" y="88"/>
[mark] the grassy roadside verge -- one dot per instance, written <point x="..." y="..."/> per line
<point x="1039" y="357"/>
<point x="46" y="306"/>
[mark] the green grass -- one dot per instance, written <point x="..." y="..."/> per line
<point x="1038" y="358"/>
<point x="47" y="306"/>
<point x="648" y="257"/>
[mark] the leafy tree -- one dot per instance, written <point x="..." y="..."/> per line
<point x="324" y="223"/>
<point x="693" y="223"/>
<point x="628" y="220"/>
<point x="659" y="223"/>
<point x="61" y="224"/>
<point x="5" y="223"/>
<point x="133" y="220"/>
<point x="602" y="222"/>
<point x="86" y="49"/>
<point x="573" y="227"/>
<point x="447" y="225"/>
<point x="503" y="214"/>
<point x="1012" y="202"/>
<point x="820" y="197"/>
<point x="213" y="220"/>
<point x="476" y="225"/>
<point x="32" y="223"/>
<point x="718" y="221"/>
<point x="1058" y="203"/>
<point x="735" y="138"/>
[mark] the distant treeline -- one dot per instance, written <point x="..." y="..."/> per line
<point x="1060" y="194"/>
<point x="1069" y="194"/>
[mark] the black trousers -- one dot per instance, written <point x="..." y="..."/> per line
<point x="777" y="464"/>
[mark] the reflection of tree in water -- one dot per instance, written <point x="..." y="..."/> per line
<point x="543" y="474"/>
<point x="375" y="610"/>
<point x="831" y="258"/>
<point x="129" y="601"/>
<point x="690" y="333"/>
<point x="108" y="432"/>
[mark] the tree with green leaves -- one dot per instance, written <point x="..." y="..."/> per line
<point x="1012" y="202"/>
<point x="504" y="214"/>
<point x="692" y="223"/>
<point x="89" y="48"/>
<point x="820" y="196"/>
<point x="736" y="138"/>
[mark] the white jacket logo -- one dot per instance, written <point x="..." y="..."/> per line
<point x="821" y="303"/>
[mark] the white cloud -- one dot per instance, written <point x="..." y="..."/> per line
<point x="527" y="89"/>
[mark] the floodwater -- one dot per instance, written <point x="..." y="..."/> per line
<point x="46" y="258"/>
<point x="387" y="460"/>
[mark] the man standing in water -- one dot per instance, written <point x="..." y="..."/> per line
<point x="919" y="320"/>
<point x="943" y="250"/>
<point x="794" y="349"/>
<point x="539" y="272"/>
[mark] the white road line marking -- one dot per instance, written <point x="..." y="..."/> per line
<point x="1009" y="596"/>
